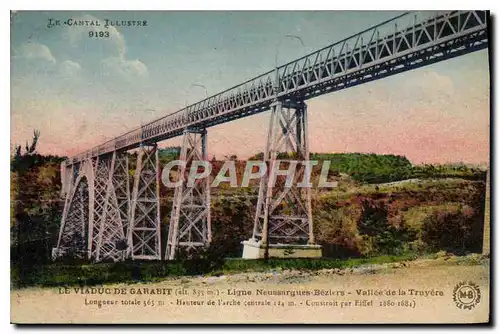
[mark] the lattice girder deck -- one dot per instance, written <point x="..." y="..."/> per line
<point x="406" y="42"/>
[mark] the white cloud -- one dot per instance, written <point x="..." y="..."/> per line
<point x="108" y="55"/>
<point x="78" y="37"/>
<point x="35" y="51"/>
<point x="432" y="81"/>
<point x="77" y="55"/>
<point x="69" y="68"/>
<point x="127" y="69"/>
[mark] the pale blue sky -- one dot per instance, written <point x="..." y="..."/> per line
<point x="80" y="91"/>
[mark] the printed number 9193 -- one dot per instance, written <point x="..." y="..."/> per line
<point x="99" y="34"/>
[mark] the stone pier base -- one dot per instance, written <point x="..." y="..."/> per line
<point x="255" y="250"/>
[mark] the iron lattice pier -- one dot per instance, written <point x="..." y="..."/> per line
<point x="189" y="228"/>
<point x="144" y="235"/>
<point x="284" y="211"/>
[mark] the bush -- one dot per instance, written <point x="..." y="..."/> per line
<point x="381" y="237"/>
<point x="369" y="168"/>
<point x="457" y="231"/>
<point x="335" y="231"/>
<point x="232" y="222"/>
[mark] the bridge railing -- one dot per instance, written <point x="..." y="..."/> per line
<point x="404" y="34"/>
<point x="248" y="93"/>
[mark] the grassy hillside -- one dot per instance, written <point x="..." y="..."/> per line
<point x="383" y="205"/>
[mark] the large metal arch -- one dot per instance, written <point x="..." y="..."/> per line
<point x="70" y="204"/>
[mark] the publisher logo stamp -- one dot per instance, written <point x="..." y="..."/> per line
<point x="466" y="295"/>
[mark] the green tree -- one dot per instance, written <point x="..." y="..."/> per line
<point x="381" y="236"/>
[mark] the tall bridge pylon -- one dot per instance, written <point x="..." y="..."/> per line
<point x="190" y="225"/>
<point x="144" y="233"/>
<point x="284" y="210"/>
<point x="108" y="230"/>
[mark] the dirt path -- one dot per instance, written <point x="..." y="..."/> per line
<point x="364" y="295"/>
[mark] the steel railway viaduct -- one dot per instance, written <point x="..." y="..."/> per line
<point x="110" y="216"/>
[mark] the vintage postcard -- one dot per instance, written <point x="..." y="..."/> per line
<point x="250" y="167"/>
